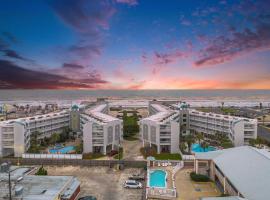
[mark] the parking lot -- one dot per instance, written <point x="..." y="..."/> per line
<point x="102" y="182"/>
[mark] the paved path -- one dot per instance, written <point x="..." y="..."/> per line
<point x="132" y="150"/>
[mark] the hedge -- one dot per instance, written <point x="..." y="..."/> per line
<point x="199" y="177"/>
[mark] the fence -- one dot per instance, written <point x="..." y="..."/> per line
<point x="74" y="162"/>
<point x="52" y="156"/>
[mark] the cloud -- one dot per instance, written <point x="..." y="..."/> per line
<point x="13" y="54"/>
<point x="72" y="66"/>
<point x="224" y="48"/>
<point x="86" y="50"/>
<point x="88" y="19"/>
<point x="14" y="76"/>
<point x="129" y="2"/>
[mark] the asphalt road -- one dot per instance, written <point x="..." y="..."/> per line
<point x="264" y="133"/>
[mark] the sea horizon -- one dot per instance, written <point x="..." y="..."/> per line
<point x="196" y="97"/>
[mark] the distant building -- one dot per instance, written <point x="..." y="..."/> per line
<point x="15" y="134"/>
<point x="31" y="187"/>
<point x="242" y="172"/>
<point x="161" y="129"/>
<point x="101" y="132"/>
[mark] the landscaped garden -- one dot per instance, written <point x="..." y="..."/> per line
<point x="130" y="125"/>
<point x="148" y="151"/>
<point x="40" y="145"/>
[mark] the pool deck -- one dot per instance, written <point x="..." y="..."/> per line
<point x="190" y="190"/>
<point x="170" y="191"/>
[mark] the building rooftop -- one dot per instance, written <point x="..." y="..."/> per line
<point x="246" y="167"/>
<point x="223" y="198"/>
<point x="162" y="115"/>
<point x="97" y="114"/>
<point x="33" y="118"/>
<point x="32" y="187"/>
<point x="215" y="115"/>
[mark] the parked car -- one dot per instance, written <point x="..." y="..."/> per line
<point x="132" y="184"/>
<point x="88" y="198"/>
<point x="136" y="177"/>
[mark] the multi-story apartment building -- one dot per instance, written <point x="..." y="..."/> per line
<point x="15" y="134"/>
<point x="239" y="130"/>
<point x="101" y="132"/>
<point x="165" y="126"/>
<point x="161" y="129"/>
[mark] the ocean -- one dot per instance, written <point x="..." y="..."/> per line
<point x="193" y="97"/>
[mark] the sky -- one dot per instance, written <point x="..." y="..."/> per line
<point x="134" y="44"/>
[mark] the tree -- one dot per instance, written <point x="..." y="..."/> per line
<point x="204" y="145"/>
<point x="252" y="142"/>
<point x="199" y="137"/>
<point x="190" y="140"/>
<point x="55" y="137"/>
<point x="41" y="171"/>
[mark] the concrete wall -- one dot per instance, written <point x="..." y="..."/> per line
<point x="19" y="145"/>
<point x="175" y="131"/>
<point x="87" y="137"/>
<point x="238" y="128"/>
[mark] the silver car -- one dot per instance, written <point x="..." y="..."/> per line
<point x="132" y="184"/>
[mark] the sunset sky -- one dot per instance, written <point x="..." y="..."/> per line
<point x="135" y="44"/>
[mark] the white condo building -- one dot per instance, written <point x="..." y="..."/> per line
<point x="15" y="134"/>
<point x="239" y="130"/>
<point x="101" y="132"/>
<point x="161" y="129"/>
<point x="164" y="125"/>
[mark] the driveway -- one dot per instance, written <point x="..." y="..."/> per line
<point x="132" y="149"/>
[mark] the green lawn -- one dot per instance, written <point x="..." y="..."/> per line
<point x="168" y="156"/>
<point x="130" y="138"/>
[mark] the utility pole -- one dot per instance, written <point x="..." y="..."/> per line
<point x="9" y="185"/>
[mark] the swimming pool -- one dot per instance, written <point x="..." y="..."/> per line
<point x="63" y="150"/>
<point x="197" y="148"/>
<point x="157" y="178"/>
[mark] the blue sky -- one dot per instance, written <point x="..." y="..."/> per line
<point x="135" y="44"/>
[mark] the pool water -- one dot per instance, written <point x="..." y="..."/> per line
<point x="63" y="150"/>
<point x="157" y="178"/>
<point x="197" y="148"/>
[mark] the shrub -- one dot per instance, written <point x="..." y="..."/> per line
<point x="119" y="155"/>
<point x="199" y="177"/>
<point x="41" y="172"/>
<point x="168" y="156"/>
<point x="112" y="153"/>
<point x="91" y="156"/>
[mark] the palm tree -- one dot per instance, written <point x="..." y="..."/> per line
<point x="190" y="140"/>
<point x="204" y="145"/>
<point x="55" y="137"/>
<point x="199" y="137"/>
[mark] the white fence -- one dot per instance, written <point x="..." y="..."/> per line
<point x="52" y="156"/>
<point x="188" y="157"/>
